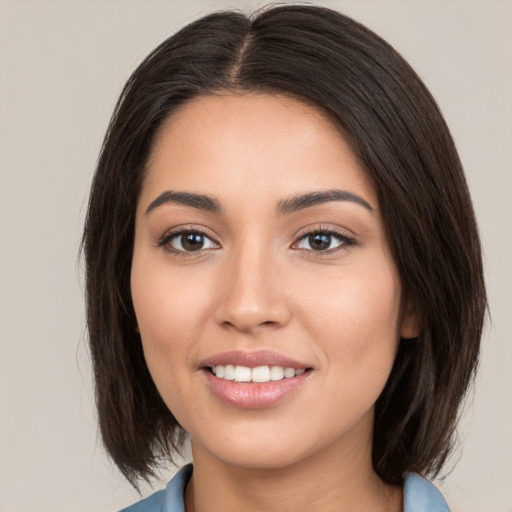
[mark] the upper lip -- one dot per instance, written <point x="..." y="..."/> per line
<point x="252" y="359"/>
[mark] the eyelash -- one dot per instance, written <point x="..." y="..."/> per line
<point x="164" y="241"/>
<point x="346" y="241"/>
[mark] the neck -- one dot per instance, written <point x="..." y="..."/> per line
<point x="334" y="479"/>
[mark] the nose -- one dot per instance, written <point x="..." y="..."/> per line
<point x="252" y="296"/>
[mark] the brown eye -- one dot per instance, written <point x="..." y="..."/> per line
<point x="324" y="241"/>
<point x="189" y="241"/>
<point x="319" y="241"/>
<point x="192" y="241"/>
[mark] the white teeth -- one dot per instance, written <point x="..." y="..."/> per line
<point x="260" y="374"/>
<point x="242" y="374"/>
<point x="257" y="374"/>
<point x="276" y="373"/>
<point x="289" y="373"/>
<point x="229" y="372"/>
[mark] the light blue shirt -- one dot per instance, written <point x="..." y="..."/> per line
<point x="419" y="495"/>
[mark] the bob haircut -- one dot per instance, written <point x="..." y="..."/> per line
<point x="395" y="128"/>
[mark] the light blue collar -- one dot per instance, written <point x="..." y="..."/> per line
<point x="422" y="496"/>
<point x="419" y="495"/>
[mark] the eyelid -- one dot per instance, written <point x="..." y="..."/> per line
<point x="168" y="235"/>
<point x="348" y="240"/>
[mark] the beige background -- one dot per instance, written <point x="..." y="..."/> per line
<point x="62" y="65"/>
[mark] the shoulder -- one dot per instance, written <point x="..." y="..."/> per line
<point x="153" y="503"/>
<point x="169" y="499"/>
<point x="420" y="495"/>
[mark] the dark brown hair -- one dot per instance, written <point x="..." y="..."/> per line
<point x="395" y="128"/>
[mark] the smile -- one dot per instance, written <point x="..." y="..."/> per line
<point x="258" y="374"/>
<point x="254" y="379"/>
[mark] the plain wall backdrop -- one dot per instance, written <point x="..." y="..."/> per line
<point x="62" y="66"/>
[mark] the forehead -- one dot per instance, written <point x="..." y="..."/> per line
<point x="268" y="143"/>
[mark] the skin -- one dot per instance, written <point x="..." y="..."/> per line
<point x="257" y="284"/>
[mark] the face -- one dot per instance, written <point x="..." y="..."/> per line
<point x="266" y="297"/>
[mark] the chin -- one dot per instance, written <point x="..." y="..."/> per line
<point x="258" y="458"/>
<point x="258" y="450"/>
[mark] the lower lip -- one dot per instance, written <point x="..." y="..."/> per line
<point x="253" y="395"/>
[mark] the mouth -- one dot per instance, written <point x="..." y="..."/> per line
<point x="257" y="374"/>
<point x="254" y="380"/>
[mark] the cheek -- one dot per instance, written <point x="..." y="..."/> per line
<point x="164" y="299"/>
<point x="169" y="310"/>
<point x="354" y="328"/>
<point x="354" y="315"/>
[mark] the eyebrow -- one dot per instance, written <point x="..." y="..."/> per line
<point x="303" y="201"/>
<point x="198" y="201"/>
<point x="285" y="207"/>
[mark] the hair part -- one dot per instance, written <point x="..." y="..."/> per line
<point x="395" y="128"/>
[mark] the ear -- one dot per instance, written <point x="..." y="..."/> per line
<point x="409" y="324"/>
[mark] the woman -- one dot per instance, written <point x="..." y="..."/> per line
<point x="283" y="264"/>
